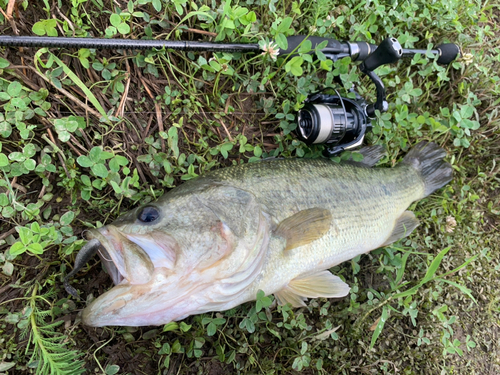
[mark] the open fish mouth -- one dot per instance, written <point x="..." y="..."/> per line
<point x="123" y="260"/>
<point x="124" y="257"/>
<point x="84" y="255"/>
<point x="110" y="267"/>
<point x="108" y="255"/>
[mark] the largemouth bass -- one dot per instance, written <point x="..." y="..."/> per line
<point x="277" y="226"/>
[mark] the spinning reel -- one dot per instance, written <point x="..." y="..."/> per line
<point x="341" y="123"/>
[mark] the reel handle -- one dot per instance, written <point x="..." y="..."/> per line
<point x="388" y="52"/>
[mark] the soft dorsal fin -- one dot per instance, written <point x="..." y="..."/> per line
<point x="403" y="227"/>
<point x="304" y="227"/>
<point x="371" y="156"/>
<point x="320" y="284"/>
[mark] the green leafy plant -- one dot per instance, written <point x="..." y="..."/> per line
<point x="34" y="239"/>
<point x="67" y="125"/>
<point x="45" y="27"/>
<point x="95" y="161"/>
<point x="48" y="347"/>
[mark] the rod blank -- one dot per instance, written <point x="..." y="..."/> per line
<point x="130" y="44"/>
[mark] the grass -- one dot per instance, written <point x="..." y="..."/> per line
<point x="86" y="135"/>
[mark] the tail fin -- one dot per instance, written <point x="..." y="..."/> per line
<point x="427" y="159"/>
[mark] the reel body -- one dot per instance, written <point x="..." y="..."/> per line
<point x="339" y="123"/>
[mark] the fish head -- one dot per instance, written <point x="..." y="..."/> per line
<point x="192" y="251"/>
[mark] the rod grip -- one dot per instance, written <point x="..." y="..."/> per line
<point x="448" y="52"/>
<point x="333" y="46"/>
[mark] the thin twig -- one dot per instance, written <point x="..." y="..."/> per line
<point x="22" y="76"/>
<point x="121" y="107"/>
<point x="7" y="234"/>
<point x="66" y="19"/>
<point x="203" y="32"/>
<point x="58" y="24"/>
<point x="147" y="88"/>
<point x="19" y="187"/>
<point x="74" y="148"/>
<point x="146" y="131"/>
<point x="75" y="141"/>
<point x="42" y="192"/>
<point x="227" y="131"/>
<point x="159" y="118"/>
<point x="10" y="8"/>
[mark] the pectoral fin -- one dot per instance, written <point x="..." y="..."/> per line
<point x="304" y="227"/>
<point x="404" y="226"/>
<point x="321" y="284"/>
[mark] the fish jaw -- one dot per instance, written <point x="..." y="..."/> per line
<point x="167" y="297"/>
<point x="141" y="305"/>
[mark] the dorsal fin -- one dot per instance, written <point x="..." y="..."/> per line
<point x="371" y="156"/>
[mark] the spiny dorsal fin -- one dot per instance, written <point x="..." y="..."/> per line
<point x="371" y="156"/>
<point x="403" y="227"/>
<point x="320" y="284"/>
<point x="304" y="227"/>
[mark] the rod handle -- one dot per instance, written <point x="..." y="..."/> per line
<point x="333" y="45"/>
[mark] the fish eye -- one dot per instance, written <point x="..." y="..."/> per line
<point x="149" y="214"/>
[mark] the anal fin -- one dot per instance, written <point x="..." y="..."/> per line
<point x="404" y="226"/>
<point x="285" y="296"/>
<point x="320" y="284"/>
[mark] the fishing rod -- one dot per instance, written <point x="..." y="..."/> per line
<point x="338" y="122"/>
